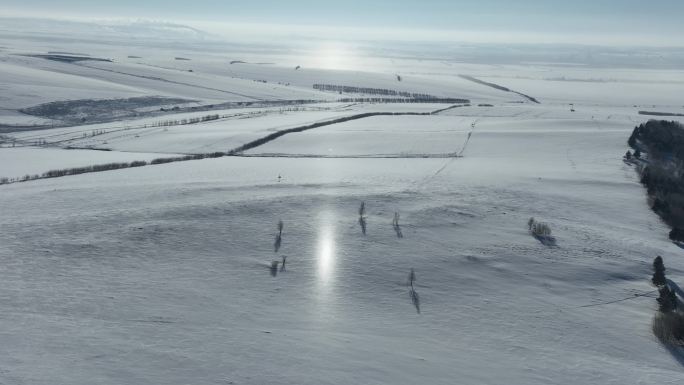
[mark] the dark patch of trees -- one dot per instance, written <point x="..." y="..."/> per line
<point x="65" y="58"/>
<point x="668" y="324"/>
<point x="662" y="170"/>
<point x="655" y="113"/>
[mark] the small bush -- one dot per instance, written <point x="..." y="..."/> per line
<point x="541" y="231"/>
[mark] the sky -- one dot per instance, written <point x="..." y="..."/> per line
<point x="654" y="22"/>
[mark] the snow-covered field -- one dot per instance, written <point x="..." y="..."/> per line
<point x="20" y="161"/>
<point x="162" y="274"/>
<point x="377" y="136"/>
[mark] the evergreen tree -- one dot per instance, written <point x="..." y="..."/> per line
<point x="667" y="300"/>
<point x="658" y="272"/>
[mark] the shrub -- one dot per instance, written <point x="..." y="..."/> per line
<point x="541" y="231"/>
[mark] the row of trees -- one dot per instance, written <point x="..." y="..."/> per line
<point x="415" y="299"/>
<point x="180" y="122"/>
<point x="668" y="324"/>
<point x="662" y="172"/>
<point x="370" y="91"/>
<point x="109" y="166"/>
<point x="403" y="100"/>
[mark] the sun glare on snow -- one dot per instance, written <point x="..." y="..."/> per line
<point x="333" y="56"/>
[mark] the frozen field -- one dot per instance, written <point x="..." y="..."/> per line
<point x="378" y="136"/>
<point x="162" y="274"/>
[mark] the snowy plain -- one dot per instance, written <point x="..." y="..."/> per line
<point x="162" y="274"/>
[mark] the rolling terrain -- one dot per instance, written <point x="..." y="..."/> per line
<point x="163" y="273"/>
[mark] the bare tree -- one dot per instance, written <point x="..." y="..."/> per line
<point x="362" y="217"/>
<point x="395" y="225"/>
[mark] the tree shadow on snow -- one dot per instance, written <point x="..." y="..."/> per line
<point x="277" y="243"/>
<point x="676" y="288"/>
<point x="415" y="299"/>
<point x="362" y="223"/>
<point x="677" y="353"/>
<point x="274" y="268"/>
<point x="546" y="240"/>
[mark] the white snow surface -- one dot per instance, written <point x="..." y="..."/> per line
<point x="161" y="274"/>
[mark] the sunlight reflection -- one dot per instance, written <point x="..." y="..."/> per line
<point x="326" y="252"/>
<point x="333" y="55"/>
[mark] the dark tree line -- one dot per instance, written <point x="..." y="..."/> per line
<point x="370" y="91"/>
<point x="668" y="324"/>
<point x="662" y="170"/>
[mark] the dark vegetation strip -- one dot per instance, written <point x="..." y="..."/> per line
<point x="403" y="100"/>
<point x="449" y="108"/>
<point x="234" y="152"/>
<point x="67" y="58"/>
<point x="655" y="113"/>
<point x="36" y="111"/>
<point x="375" y="156"/>
<point x="498" y="87"/>
<point x="370" y="91"/>
<point x="662" y="169"/>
